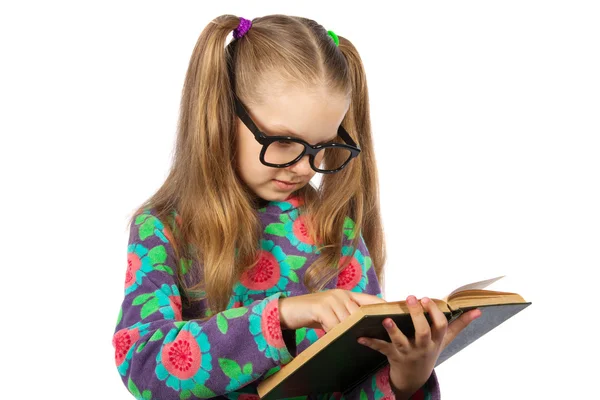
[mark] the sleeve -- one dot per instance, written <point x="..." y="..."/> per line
<point x="159" y="355"/>
<point x="378" y="386"/>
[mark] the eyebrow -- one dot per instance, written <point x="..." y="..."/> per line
<point x="288" y="132"/>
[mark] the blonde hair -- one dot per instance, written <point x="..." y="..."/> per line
<point x="217" y="212"/>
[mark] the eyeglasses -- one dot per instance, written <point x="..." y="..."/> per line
<point x="283" y="151"/>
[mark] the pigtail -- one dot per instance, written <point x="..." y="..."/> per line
<point x="366" y="211"/>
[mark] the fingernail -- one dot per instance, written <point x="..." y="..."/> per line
<point x="477" y="314"/>
<point x="387" y="323"/>
<point x="425" y="300"/>
<point x="362" y="341"/>
<point x="412" y="300"/>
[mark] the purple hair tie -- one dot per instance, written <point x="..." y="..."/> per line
<point x="243" y="27"/>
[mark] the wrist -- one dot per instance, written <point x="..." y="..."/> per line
<point x="401" y="392"/>
<point x="282" y="321"/>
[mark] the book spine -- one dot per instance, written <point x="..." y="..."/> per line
<point x="454" y="314"/>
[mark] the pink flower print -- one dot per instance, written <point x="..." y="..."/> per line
<point x="271" y="326"/>
<point x="350" y="276"/>
<point x="264" y="275"/>
<point x="133" y="265"/>
<point x="122" y="342"/>
<point x="182" y="357"/>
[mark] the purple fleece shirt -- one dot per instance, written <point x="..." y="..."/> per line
<point x="162" y="353"/>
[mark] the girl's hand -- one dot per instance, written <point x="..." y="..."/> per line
<point x="322" y="310"/>
<point x="412" y="360"/>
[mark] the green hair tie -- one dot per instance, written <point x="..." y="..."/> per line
<point x="334" y="37"/>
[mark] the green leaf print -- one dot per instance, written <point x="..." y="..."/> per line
<point x="184" y="265"/>
<point x="203" y="392"/>
<point x="247" y="369"/>
<point x="149" y="307"/>
<point x="300" y="335"/>
<point x="272" y="371"/>
<point x="141" y="218"/>
<point x="133" y="389"/>
<point x="147" y="395"/>
<point x="140" y="347"/>
<point x="230" y="368"/>
<point x="235" y="312"/>
<point x="147" y="228"/>
<point x="276" y="229"/>
<point x="185" y="394"/>
<point x="165" y="268"/>
<point x="367" y="262"/>
<point x="349" y="228"/>
<point x="295" y="262"/>
<point x="157" y="254"/>
<point x="222" y="323"/>
<point x="141" y="299"/>
<point x="156" y="336"/>
<point x="293" y="277"/>
<point x="363" y="395"/>
<point x="284" y="218"/>
<point x="120" y="316"/>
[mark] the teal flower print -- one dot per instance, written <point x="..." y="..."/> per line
<point x="141" y="261"/>
<point x="293" y="201"/>
<point x="354" y="276"/>
<point x="272" y="272"/>
<point x="166" y="300"/>
<point x="184" y="360"/>
<point x="265" y="327"/>
<point x="124" y="342"/>
<point x="293" y="226"/>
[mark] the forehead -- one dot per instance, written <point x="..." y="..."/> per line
<point x="313" y="115"/>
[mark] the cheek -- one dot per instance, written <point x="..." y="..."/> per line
<point x="249" y="165"/>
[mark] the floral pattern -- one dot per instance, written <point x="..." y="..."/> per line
<point x="123" y="343"/>
<point x="266" y="330"/>
<point x="141" y="261"/>
<point x="354" y="276"/>
<point x="184" y="360"/>
<point x="272" y="273"/>
<point x="159" y="354"/>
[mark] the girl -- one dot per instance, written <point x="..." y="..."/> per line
<point x="237" y="264"/>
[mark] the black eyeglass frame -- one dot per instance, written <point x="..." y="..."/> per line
<point x="309" y="149"/>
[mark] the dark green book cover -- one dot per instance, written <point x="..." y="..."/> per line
<point x="344" y="363"/>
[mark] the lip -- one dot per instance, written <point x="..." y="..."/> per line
<point x="284" y="185"/>
<point x="289" y="183"/>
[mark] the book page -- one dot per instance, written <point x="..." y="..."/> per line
<point x="474" y="285"/>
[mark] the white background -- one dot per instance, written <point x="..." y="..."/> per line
<point x="486" y="125"/>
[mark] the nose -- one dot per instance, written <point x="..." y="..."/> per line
<point x="302" y="167"/>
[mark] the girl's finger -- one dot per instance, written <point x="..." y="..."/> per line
<point x="396" y="335"/>
<point x="422" y="331"/>
<point x="328" y="319"/>
<point x="340" y="310"/>
<point x="439" y="323"/>
<point x="352" y="307"/>
<point x="385" y="348"/>
<point x="458" y="325"/>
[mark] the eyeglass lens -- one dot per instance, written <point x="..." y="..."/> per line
<point x="285" y="151"/>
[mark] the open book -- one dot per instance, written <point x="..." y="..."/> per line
<point x="337" y="362"/>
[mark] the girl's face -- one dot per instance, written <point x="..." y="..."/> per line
<point x="311" y="116"/>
